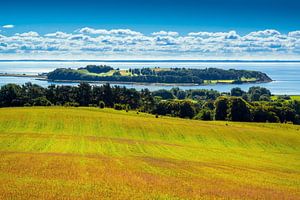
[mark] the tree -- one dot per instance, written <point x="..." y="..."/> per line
<point x="41" y="101"/>
<point x="221" y="108"/>
<point x="181" y="94"/>
<point x="261" y="113"/>
<point x="118" y="106"/>
<point x="101" y="104"/>
<point x="238" y="92"/>
<point x="117" y="73"/>
<point x="32" y="91"/>
<point x="84" y="92"/>
<point x="10" y="95"/>
<point x="238" y="110"/>
<point x="256" y="92"/>
<point x="147" y="100"/>
<point x="205" y="114"/>
<point x="264" y="97"/>
<point x="186" y="109"/>
<point x="107" y="95"/>
<point x="164" y="94"/>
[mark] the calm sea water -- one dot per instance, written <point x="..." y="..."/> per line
<point x="286" y="76"/>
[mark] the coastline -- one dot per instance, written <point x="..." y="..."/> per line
<point x="150" y="84"/>
<point x="22" y="75"/>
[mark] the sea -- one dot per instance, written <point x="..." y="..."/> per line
<point x="285" y="75"/>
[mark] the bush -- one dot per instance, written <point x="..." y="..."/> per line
<point x="221" y="108"/>
<point x="117" y="73"/>
<point x="71" y="104"/>
<point x="238" y="110"/>
<point x="41" y="101"/>
<point x="118" y="106"/>
<point x="261" y="114"/>
<point x="204" y="114"/>
<point x="264" y="97"/>
<point x="164" y="94"/>
<point x="101" y="104"/>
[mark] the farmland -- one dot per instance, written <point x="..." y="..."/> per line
<point x="91" y="153"/>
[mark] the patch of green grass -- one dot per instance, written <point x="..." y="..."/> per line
<point x="217" y="81"/>
<point x="248" y="79"/>
<point x="293" y="97"/>
<point x="90" y="153"/>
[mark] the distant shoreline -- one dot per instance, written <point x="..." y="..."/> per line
<point x="157" y="61"/>
<point x="44" y="78"/>
<point x="21" y="75"/>
<point x="145" y="83"/>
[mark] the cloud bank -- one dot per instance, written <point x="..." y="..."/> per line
<point x="90" y="43"/>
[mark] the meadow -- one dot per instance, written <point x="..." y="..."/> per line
<point x="293" y="97"/>
<point x="91" y="153"/>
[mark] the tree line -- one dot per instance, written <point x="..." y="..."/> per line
<point x="254" y="105"/>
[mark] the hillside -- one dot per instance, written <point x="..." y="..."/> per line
<point x="89" y="153"/>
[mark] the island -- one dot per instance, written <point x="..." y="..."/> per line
<point x="104" y="73"/>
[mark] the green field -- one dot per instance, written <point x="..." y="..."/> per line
<point x="293" y="97"/>
<point x="89" y="153"/>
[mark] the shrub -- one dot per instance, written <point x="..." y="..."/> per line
<point x="41" y="101"/>
<point x="118" y="106"/>
<point x="221" y="107"/>
<point x="204" y="114"/>
<point x="101" y="104"/>
<point x="238" y="110"/>
<point x="71" y="104"/>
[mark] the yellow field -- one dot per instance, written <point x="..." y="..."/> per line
<point x="89" y="153"/>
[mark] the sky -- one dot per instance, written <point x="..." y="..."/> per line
<point x="150" y="29"/>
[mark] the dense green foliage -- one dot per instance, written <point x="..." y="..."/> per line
<point x="97" y="69"/>
<point x="255" y="105"/>
<point x="156" y="75"/>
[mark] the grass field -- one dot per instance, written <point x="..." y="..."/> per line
<point x="293" y="97"/>
<point x="89" y="153"/>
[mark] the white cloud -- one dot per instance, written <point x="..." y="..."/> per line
<point x="28" y="34"/>
<point x="100" y="43"/>
<point x="8" y="26"/>
<point x="119" y="32"/>
<point x="295" y="34"/>
<point x="87" y="30"/>
<point x="58" y="34"/>
<point x="265" y="33"/>
<point x="166" y="33"/>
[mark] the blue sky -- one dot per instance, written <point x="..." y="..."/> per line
<point x="146" y="17"/>
<point x="151" y="15"/>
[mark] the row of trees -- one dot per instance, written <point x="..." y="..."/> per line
<point x="238" y="105"/>
<point x="71" y="74"/>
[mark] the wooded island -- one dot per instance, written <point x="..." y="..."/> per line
<point x="158" y="75"/>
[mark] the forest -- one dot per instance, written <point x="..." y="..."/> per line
<point x="156" y="75"/>
<point x="254" y="105"/>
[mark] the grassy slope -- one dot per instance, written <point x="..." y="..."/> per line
<point x="86" y="153"/>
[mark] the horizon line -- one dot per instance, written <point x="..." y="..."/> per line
<point x="138" y="60"/>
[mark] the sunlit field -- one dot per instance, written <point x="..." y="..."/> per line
<point x="91" y="153"/>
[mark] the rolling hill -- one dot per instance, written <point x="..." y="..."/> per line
<point x="91" y="153"/>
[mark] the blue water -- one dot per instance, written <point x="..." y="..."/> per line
<point x="286" y="76"/>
